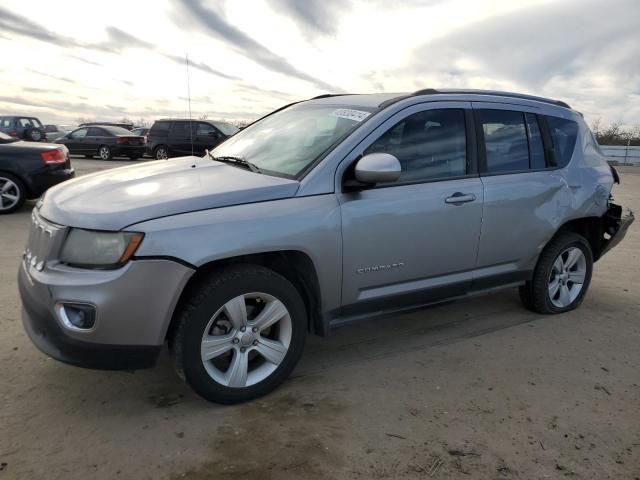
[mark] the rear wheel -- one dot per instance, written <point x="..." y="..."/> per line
<point x="104" y="152"/>
<point x="240" y="334"/>
<point x="12" y="193"/>
<point x="561" y="277"/>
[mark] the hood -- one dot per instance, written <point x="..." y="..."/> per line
<point x="116" y="198"/>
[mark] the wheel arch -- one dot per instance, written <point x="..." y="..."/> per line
<point x="296" y="266"/>
<point x="593" y="229"/>
<point x="29" y="193"/>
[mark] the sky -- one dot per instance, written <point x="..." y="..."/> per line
<point x="66" y="60"/>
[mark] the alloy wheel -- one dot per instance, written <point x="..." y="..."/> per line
<point x="9" y="194"/>
<point x="567" y="277"/>
<point x="246" y="340"/>
<point x="162" y="154"/>
<point x="104" y="153"/>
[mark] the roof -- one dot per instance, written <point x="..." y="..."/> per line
<point x="382" y="100"/>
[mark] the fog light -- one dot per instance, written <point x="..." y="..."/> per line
<point x="77" y="316"/>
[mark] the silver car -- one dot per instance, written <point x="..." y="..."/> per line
<point x="324" y="212"/>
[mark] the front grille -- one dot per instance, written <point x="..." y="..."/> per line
<point x="45" y="241"/>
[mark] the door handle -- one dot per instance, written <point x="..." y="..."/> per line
<point x="459" y="198"/>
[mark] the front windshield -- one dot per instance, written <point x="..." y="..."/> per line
<point x="287" y="142"/>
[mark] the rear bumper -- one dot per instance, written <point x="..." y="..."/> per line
<point x="46" y="178"/>
<point x="617" y="223"/>
<point x="128" y="150"/>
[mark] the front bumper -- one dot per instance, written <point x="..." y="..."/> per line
<point x="134" y="306"/>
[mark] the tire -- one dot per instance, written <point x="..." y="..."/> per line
<point x="104" y="152"/>
<point x="33" y="134"/>
<point x="161" y="152"/>
<point x="555" y="286"/>
<point x="12" y="193"/>
<point x="205" y="313"/>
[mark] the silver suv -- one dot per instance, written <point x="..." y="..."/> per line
<point x="324" y="212"/>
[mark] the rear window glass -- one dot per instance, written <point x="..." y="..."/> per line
<point x="117" y="131"/>
<point x="564" y="134"/>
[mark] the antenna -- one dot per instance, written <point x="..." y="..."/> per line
<point x="189" y="100"/>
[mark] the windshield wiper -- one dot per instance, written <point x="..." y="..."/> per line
<point x="236" y="160"/>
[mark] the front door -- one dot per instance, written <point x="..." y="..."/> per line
<point x="75" y="142"/>
<point x="415" y="240"/>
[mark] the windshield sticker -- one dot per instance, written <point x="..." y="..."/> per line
<point x="355" y="115"/>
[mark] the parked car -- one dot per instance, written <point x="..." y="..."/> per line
<point x="54" y="132"/>
<point x="23" y="127"/>
<point x="126" y="126"/>
<point x="322" y="213"/>
<point x="141" y="131"/>
<point x="105" y="141"/>
<point x="172" y="137"/>
<point x="28" y="169"/>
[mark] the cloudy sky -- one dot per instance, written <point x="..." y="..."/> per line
<point x="105" y="60"/>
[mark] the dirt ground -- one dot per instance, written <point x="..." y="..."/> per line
<point x="476" y="389"/>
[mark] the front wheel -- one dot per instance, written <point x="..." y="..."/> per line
<point x="161" y="153"/>
<point x="561" y="277"/>
<point x="240" y="335"/>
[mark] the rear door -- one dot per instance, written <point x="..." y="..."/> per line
<point x="180" y="138"/>
<point x="524" y="194"/>
<point x="414" y="240"/>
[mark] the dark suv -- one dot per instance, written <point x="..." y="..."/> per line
<point x="173" y="136"/>
<point x="24" y="128"/>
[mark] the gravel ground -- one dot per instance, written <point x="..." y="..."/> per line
<point x="476" y="389"/>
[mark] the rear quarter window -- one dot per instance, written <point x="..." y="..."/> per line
<point x="563" y="134"/>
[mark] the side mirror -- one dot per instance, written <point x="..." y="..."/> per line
<point x="378" y="168"/>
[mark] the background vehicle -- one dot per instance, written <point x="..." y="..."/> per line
<point x="23" y="127"/>
<point x="173" y="137"/>
<point x="325" y="212"/>
<point x="56" y="131"/>
<point x="104" y="141"/>
<point x="141" y="131"/>
<point x="28" y="169"/>
<point x="126" y="126"/>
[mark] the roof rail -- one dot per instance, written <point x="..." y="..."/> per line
<point x="497" y="93"/>
<point x="327" y="95"/>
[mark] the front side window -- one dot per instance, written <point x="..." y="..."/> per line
<point x="288" y="142"/>
<point x="25" y="122"/>
<point x="429" y="145"/>
<point x="205" y="130"/>
<point x="226" y="128"/>
<point x="80" y="133"/>
<point x="563" y="134"/>
<point x="505" y="140"/>
<point x="180" y="129"/>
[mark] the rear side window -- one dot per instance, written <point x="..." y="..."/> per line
<point x="505" y="139"/>
<point x="563" y="134"/>
<point x="180" y="129"/>
<point x="160" y="128"/>
<point x="429" y="145"/>
<point x="95" y="132"/>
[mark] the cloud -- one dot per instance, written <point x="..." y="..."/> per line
<point x="218" y="27"/>
<point x="313" y="16"/>
<point x="60" y="79"/>
<point x="17" y="24"/>
<point x="119" y="40"/>
<point x="571" y="53"/>
<point x="84" y="60"/>
<point x="203" y="67"/>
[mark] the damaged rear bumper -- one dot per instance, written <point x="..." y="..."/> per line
<point x="616" y="223"/>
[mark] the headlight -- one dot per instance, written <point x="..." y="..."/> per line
<point x="91" y="249"/>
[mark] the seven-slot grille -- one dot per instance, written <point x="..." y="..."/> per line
<point x="44" y="242"/>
